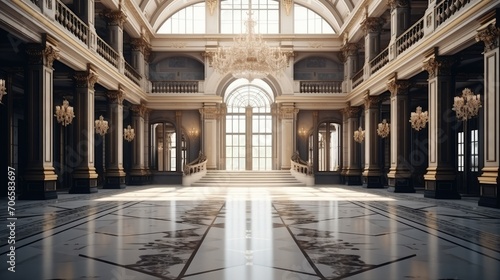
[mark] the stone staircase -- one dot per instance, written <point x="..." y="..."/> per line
<point x="222" y="178"/>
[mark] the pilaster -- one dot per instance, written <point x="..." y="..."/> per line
<point x="440" y="179"/>
<point x="138" y="173"/>
<point x="400" y="22"/>
<point x="287" y="116"/>
<point x="489" y="181"/>
<point x="84" y="175"/>
<point x="40" y="176"/>
<point x="352" y="174"/>
<point x="372" y="27"/>
<point x="399" y="176"/>
<point x="115" y="176"/>
<point x="372" y="173"/>
<point x="115" y="20"/>
<point x="210" y="114"/>
<point x="348" y="54"/>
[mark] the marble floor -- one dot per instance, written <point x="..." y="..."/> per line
<point x="238" y="233"/>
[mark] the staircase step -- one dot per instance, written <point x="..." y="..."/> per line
<point x="248" y="178"/>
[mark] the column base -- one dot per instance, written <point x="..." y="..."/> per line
<point x="139" y="177"/>
<point x="351" y="180"/>
<point x="441" y="190"/>
<point x="84" y="186"/>
<point x="400" y="185"/>
<point x="490" y="195"/>
<point x="114" y="182"/>
<point x="372" y="182"/>
<point x="39" y="190"/>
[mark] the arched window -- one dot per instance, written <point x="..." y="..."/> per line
<point x="234" y="14"/>
<point x="309" y="22"/>
<point x="190" y="20"/>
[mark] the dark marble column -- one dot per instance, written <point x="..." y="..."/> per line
<point x="40" y="176"/>
<point x="399" y="176"/>
<point x="372" y="173"/>
<point x="84" y="175"/>
<point x="115" y="176"/>
<point x="352" y="174"/>
<point x="440" y="178"/>
<point x="489" y="181"/>
<point x="138" y="174"/>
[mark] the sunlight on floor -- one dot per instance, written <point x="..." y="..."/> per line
<point x="245" y="193"/>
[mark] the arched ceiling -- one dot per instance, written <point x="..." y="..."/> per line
<point x="335" y="12"/>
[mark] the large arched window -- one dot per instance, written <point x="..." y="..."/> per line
<point x="190" y="20"/>
<point x="249" y="128"/>
<point x="309" y="22"/>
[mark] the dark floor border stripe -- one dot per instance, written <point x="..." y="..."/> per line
<point x="188" y="263"/>
<point x="125" y="266"/>
<point x="374" y="267"/>
<point x="64" y="224"/>
<point x="311" y="263"/>
<point x="382" y="213"/>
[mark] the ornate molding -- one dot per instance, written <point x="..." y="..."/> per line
<point x="86" y="79"/>
<point x="115" y="18"/>
<point x="438" y="65"/>
<point x="140" y="110"/>
<point x="490" y="35"/>
<point x="394" y="4"/>
<point x="372" y="24"/>
<point x="116" y="96"/>
<point x="397" y="87"/>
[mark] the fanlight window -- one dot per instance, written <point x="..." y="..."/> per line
<point x="309" y="22"/>
<point x="190" y="20"/>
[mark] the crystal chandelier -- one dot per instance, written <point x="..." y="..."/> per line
<point x="467" y="105"/>
<point x="128" y="133"/>
<point x="418" y="119"/>
<point x="250" y="57"/>
<point x="64" y="114"/>
<point x="383" y="129"/>
<point x="2" y="89"/>
<point x="359" y="135"/>
<point x="101" y="126"/>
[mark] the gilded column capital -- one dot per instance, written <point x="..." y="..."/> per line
<point x="115" y="18"/>
<point x="42" y="53"/>
<point x="140" y="110"/>
<point x="349" y="49"/>
<point x="210" y="112"/>
<point x="397" y="87"/>
<point x="490" y="35"/>
<point x="438" y="65"/>
<point x="141" y="45"/>
<point x="372" y="24"/>
<point x="351" y="111"/>
<point x="86" y="79"/>
<point x="371" y="102"/>
<point x="287" y="112"/>
<point x="394" y="4"/>
<point x="116" y="96"/>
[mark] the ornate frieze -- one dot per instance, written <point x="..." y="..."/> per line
<point x="490" y="35"/>
<point x="87" y="78"/>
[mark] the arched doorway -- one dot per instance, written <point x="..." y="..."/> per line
<point x="249" y="126"/>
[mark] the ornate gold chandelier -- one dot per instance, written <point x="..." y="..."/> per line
<point x="250" y="57"/>
<point x="467" y="105"/>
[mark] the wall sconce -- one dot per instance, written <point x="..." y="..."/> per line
<point x="467" y="105"/>
<point x="302" y="132"/>
<point x="3" y="89"/>
<point x="418" y="119"/>
<point x="193" y="132"/>
<point x="128" y="133"/>
<point x="383" y="129"/>
<point x="101" y="126"/>
<point x="359" y="135"/>
<point x="64" y="113"/>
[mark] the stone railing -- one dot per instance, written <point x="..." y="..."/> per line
<point x="132" y="74"/>
<point x="71" y="22"/>
<point x="320" y="86"/>
<point x="301" y="170"/>
<point x="379" y="61"/>
<point x="358" y="78"/>
<point x="410" y="37"/>
<point x="444" y="10"/>
<point x="174" y="86"/>
<point x="195" y="170"/>
<point x="107" y="52"/>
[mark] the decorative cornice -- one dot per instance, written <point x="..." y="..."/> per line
<point x="140" y="110"/>
<point x="372" y="24"/>
<point x="116" y="96"/>
<point x="86" y="79"/>
<point x="394" y="4"/>
<point x="490" y="35"/>
<point x="438" y="65"/>
<point x="115" y="18"/>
